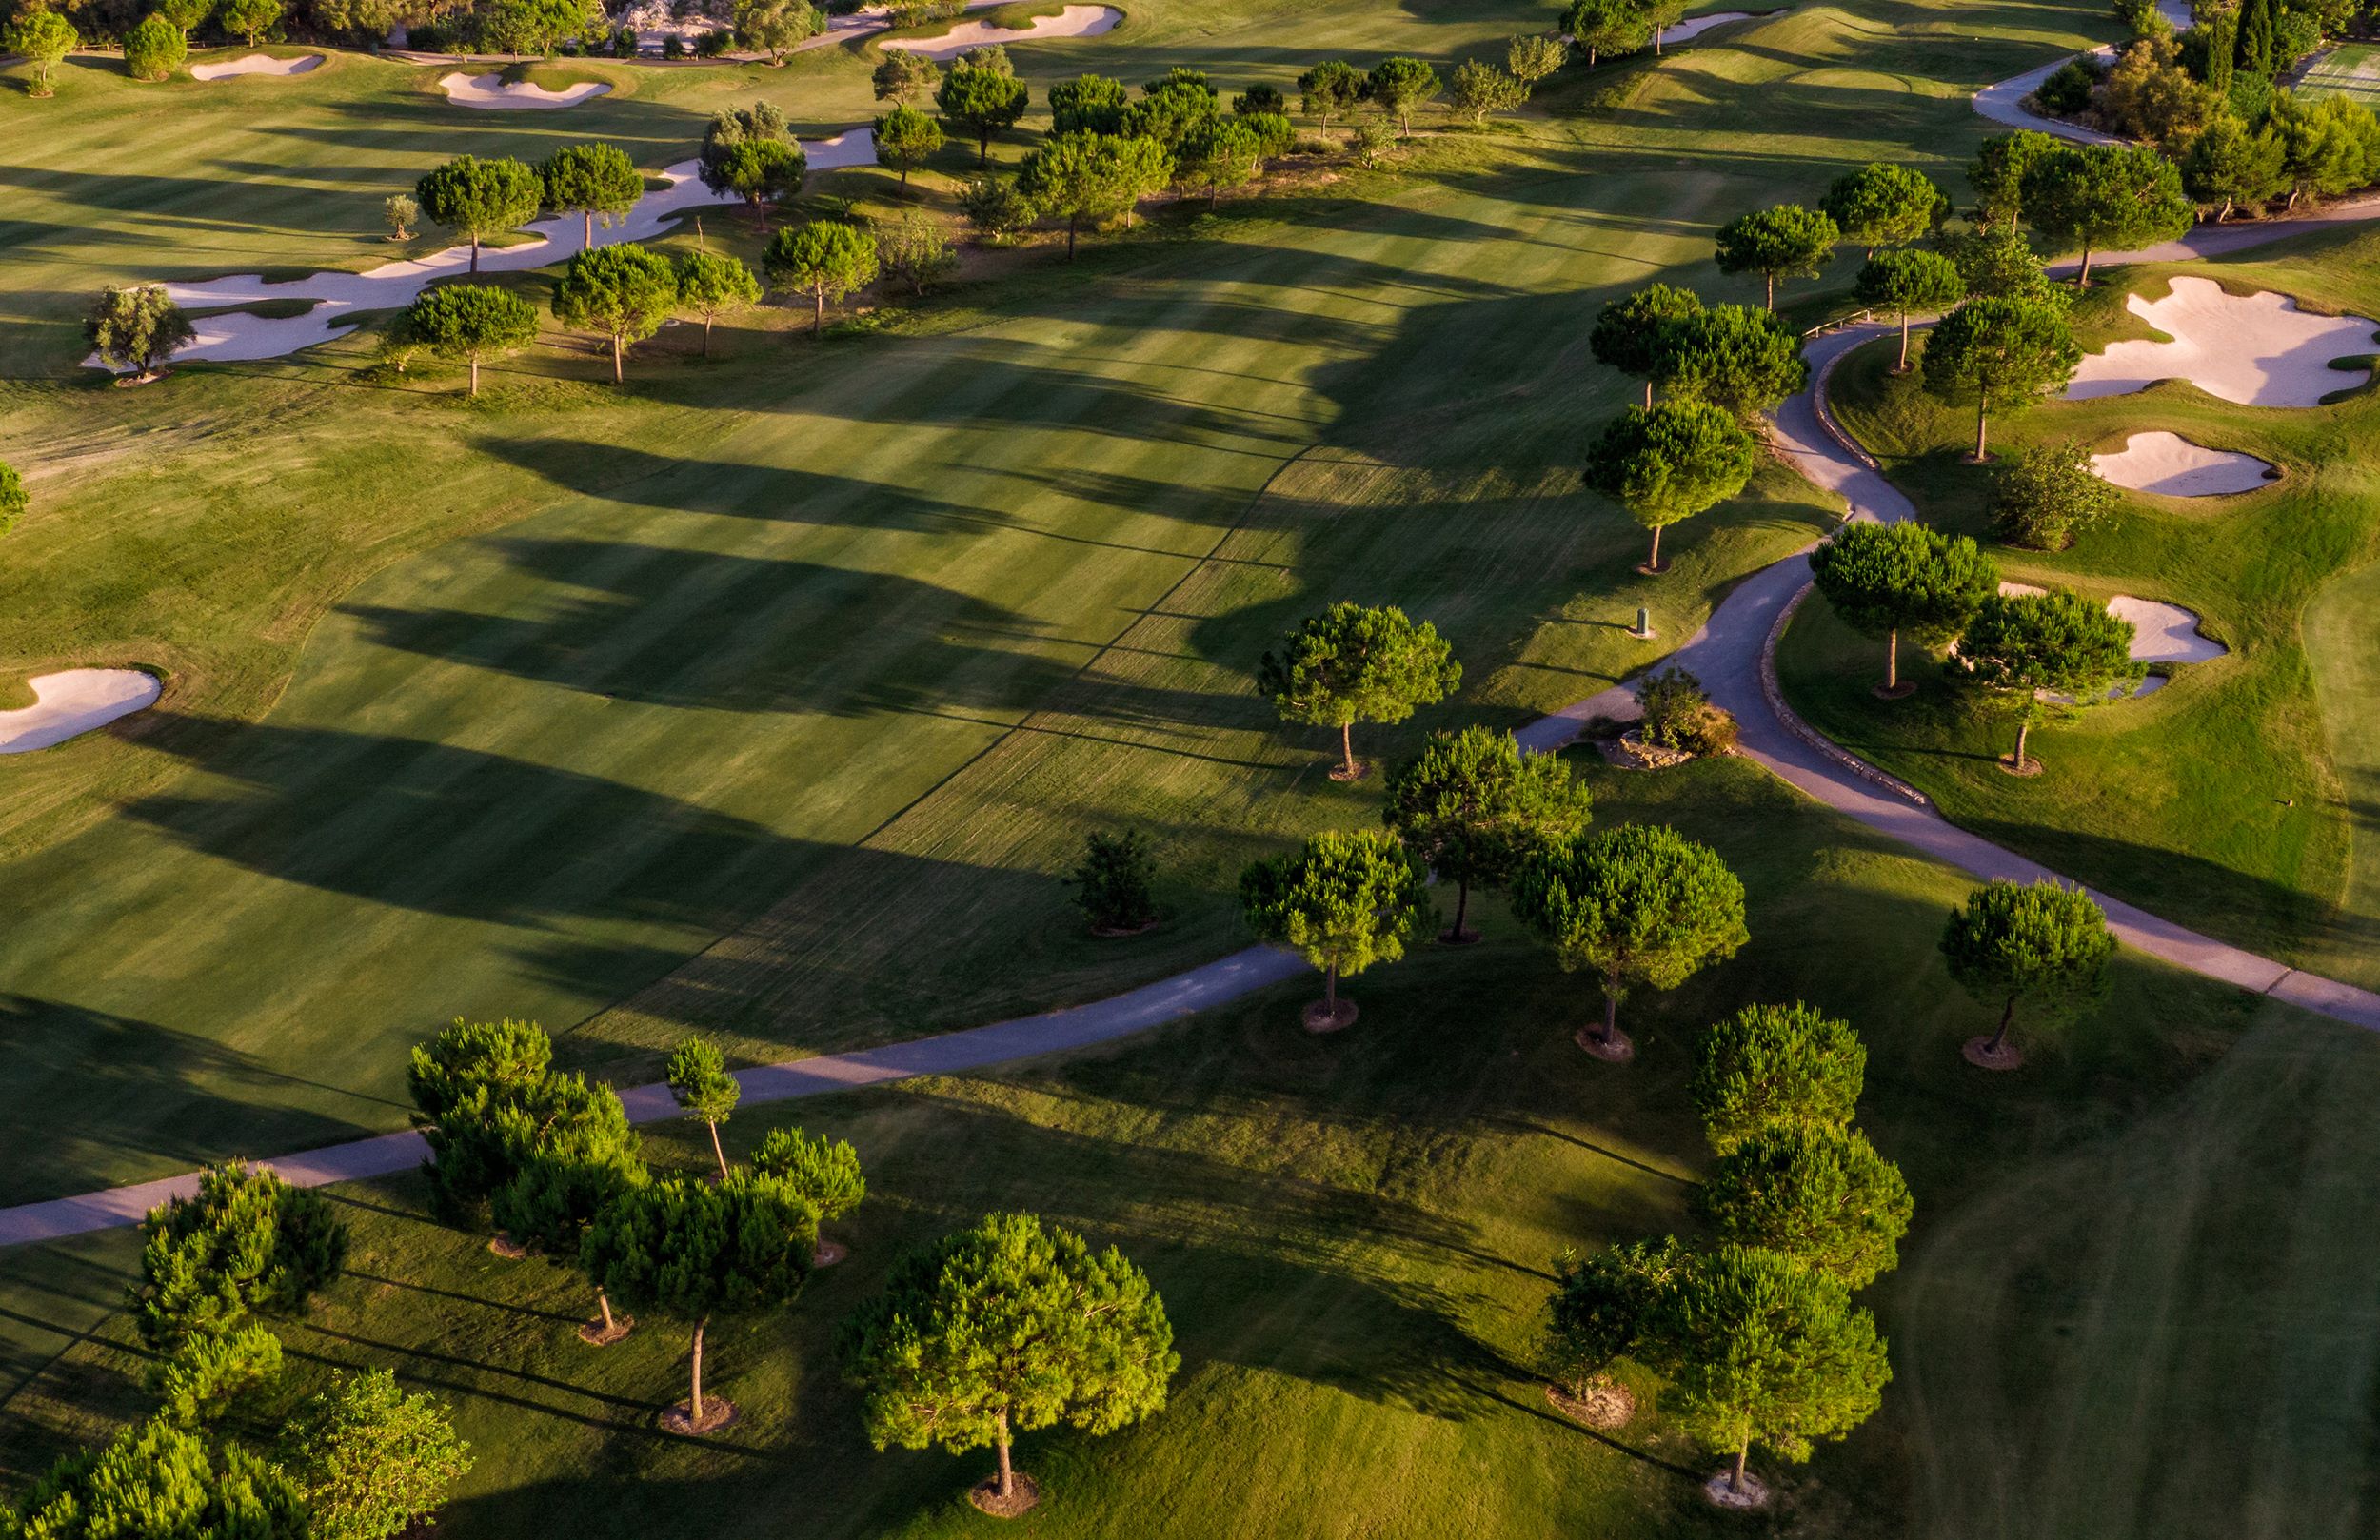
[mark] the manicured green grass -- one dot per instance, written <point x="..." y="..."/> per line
<point x="2351" y="71"/>
<point x="2230" y="799"/>
<point x="1352" y="1235"/>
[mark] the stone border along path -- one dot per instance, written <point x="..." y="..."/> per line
<point x="1729" y="653"/>
<point x="236" y="334"/>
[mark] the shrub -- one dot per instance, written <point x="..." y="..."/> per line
<point x="2068" y="89"/>
<point x="2043" y="496"/>
<point x="1678" y="715"/>
<point x="154" y="49"/>
<point x="1114" y="883"/>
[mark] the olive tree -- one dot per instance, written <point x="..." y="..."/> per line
<point x="915" y="250"/>
<point x="1638" y="904"/>
<point x="2046" y="493"/>
<point x="1603" y="1304"/>
<point x="774" y="27"/>
<point x="1355" y="663"/>
<point x="1821" y="1195"/>
<point x="591" y="179"/>
<point x="1628" y="331"/>
<point x="1533" y="57"/>
<point x="1785" y="242"/>
<point x="1472" y="806"/>
<point x="1478" y="89"/>
<point x="825" y="259"/>
<point x="1668" y="462"/>
<point x="695" y="1249"/>
<point x="2001" y="354"/>
<point x="699" y="1082"/>
<point x="1905" y="282"/>
<point x="712" y="283"/>
<point x="371" y="1461"/>
<point x="621" y="293"/>
<point x="2041" y="945"/>
<point x="1343" y="903"/>
<point x="1759" y="1349"/>
<point x="1775" y="1067"/>
<point x="1887" y="578"/>
<point x="470" y="323"/>
<point x="137" y="329"/>
<point x="1001" y="1328"/>
<point x="478" y="199"/>
<point x="400" y="212"/>
<point x="41" y="38"/>
<point x="245" y="1240"/>
<point x="2021" y="646"/>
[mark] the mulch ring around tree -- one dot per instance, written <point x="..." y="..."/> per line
<point x="829" y="1252"/>
<point x="1023" y="1494"/>
<point x="1113" y="932"/>
<point x="1341" y="772"/>
<point x="2010" y="767"/>
<point x="1895" y="692"/>
<point x="717" y="1412"/>
<point x="1617" y="1049"/>
<point x="1629" y="751"/>
<point x="596" y="1335"/>
<point x="1321" y="1017"/>
<point x="1606" y="1406"/>
<point x="1752" y="1494"/>
<point x="1466" y="936"/>
<point x="1981" y="1053"/>
<point x="506" y="1247"/>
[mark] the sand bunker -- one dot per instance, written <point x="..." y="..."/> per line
<point x="392" y="285"/>
<point x="1696" y="25"/>
<point x="2161" y="633"/>
<point x="2260" y="350"/>
<point x="73" y="701"/>
<point x="255" y="64"/>
<point x="493" y="92"/>
<point x="1075" y="21"/>
<point x="2171" y="466"/>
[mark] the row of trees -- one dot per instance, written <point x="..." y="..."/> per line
<point x="1597" y="27"/>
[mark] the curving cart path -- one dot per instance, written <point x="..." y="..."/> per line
<point x="2005" y="102"/>
<point x="1732" y="654"/>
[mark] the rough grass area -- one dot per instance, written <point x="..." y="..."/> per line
<point x="2232" y="799"/>
<point x="1352" y="1236"/>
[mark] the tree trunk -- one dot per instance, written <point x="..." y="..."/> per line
<point x="1330" y="992"/>
<point x="818" y="320"/>
<point x="1892" y="659"/>
<point x="1462" y="901"/>
<point x="1589" y="57"/>
<point x="1902" y="367"/>
<point x="904" y="179"/>
<point x="1007" y="1477"/>
<point x="615" y="358"/>
<point x="1610" y="1006"/>
<point x="475" y="254"/>
<point x="2082" y="279"/>
<point x="983" y="147"/>
<point x="474" y="374"/>
<point x="1347" y="746"/>
<point x="1655" y="562"/>
<point x="1772" y="282"/>
<point x="2223" y="213"/>
<point x="1648" y="393"/>
<point x="1981" y="405"/>
<point x="588" y="241"/>
<point x="718" y="1153"/>
<point x="1071" y="222"/>
<point x="1736" y="1477"/>
<point x="706" y="336"/>
<point x="694" y="1403"/>
<point x="2007" y="1016"/>
<point x="2023" y="729"/>
<point x="603" y="1300"/>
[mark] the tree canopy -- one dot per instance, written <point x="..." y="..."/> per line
<point x="1088" y="177"/>
<point x="14" y="500"/>
<point x="1002" y="1328"/>
<point x="155" y="1479"/>
<point x="2229" y="164"/>
<point x="1397" y="86"/>
<point x="2001" y="354"/>
<point x="2096" y="196"/>
<point x="747" y="153"/>
<point x="1330" y="89"/>
<point x="826" y="259"/>
<point x="371" y="1461"/>
<point x="1088" y="103"/>
<point x="981" y="100"/>
<point x="41" y="38"/>
<point x="1997" y="175"/>
<point x="1821" y="1195"/>
<point x="623" y="293"/>
<point x="245" y="1241"/>
<point x="2020" y="645"/>
<point x="821" y="1171"/>
<point x="1603" y="26"/>
<point x="1887" y="578"/>
<point x="2041" y="945"/>
<point x="1628" y="333"/>
<point x="1638" y="904"/>
<point x="775" y="25"/>
<point x="1343" y="903"/>
<point x="154" y="48"/>
<point x="1903" y="283"/>
<point x="711" y="283"/>
<point x="591" y="179"/>
<point x="137" y="329"/>
<point x="1603" y="1303"/>
<point x="903" y="74"/>
<point x="2045" y="494"/>
<point x="906" y="139"/>
<point x="478" y="198"/>
<point x="1668" y="462"/>
<point x="1883" y="204"/>
<point x="470" y="322"/>
<point x="1355" y="663"/>
<point x="698" y="1081"/>
<point x="1729" y="355"/>
<point x="1471" y="805"/>
<point x="1785" y="242"/>
<point x="1775" y="1067"/>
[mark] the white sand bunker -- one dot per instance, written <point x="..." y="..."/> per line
<point x="1075" y="21"/>
<point x="1696" y="25"/>
<point x="73" y="701"/>
<point x="494" y="92"/>
<point x="2260" y="350"/>
<point x="2171" y="466"/>
<point x="255" y="64"/>
<point x="2161" y="633"/>
<point x="238" y="334"/>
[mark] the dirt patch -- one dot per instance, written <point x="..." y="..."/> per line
<point x="1617" y="1049"/>
<point x="596" y="1335"/>
<point x="1607" y="1405"/>
<point x="717" y="1412"/>
<point x="1321" y="1018"/>
<point x="1023" y="1494"/>
<point x="1979" y="1052"/>
<point x="1723" y="1492"/>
